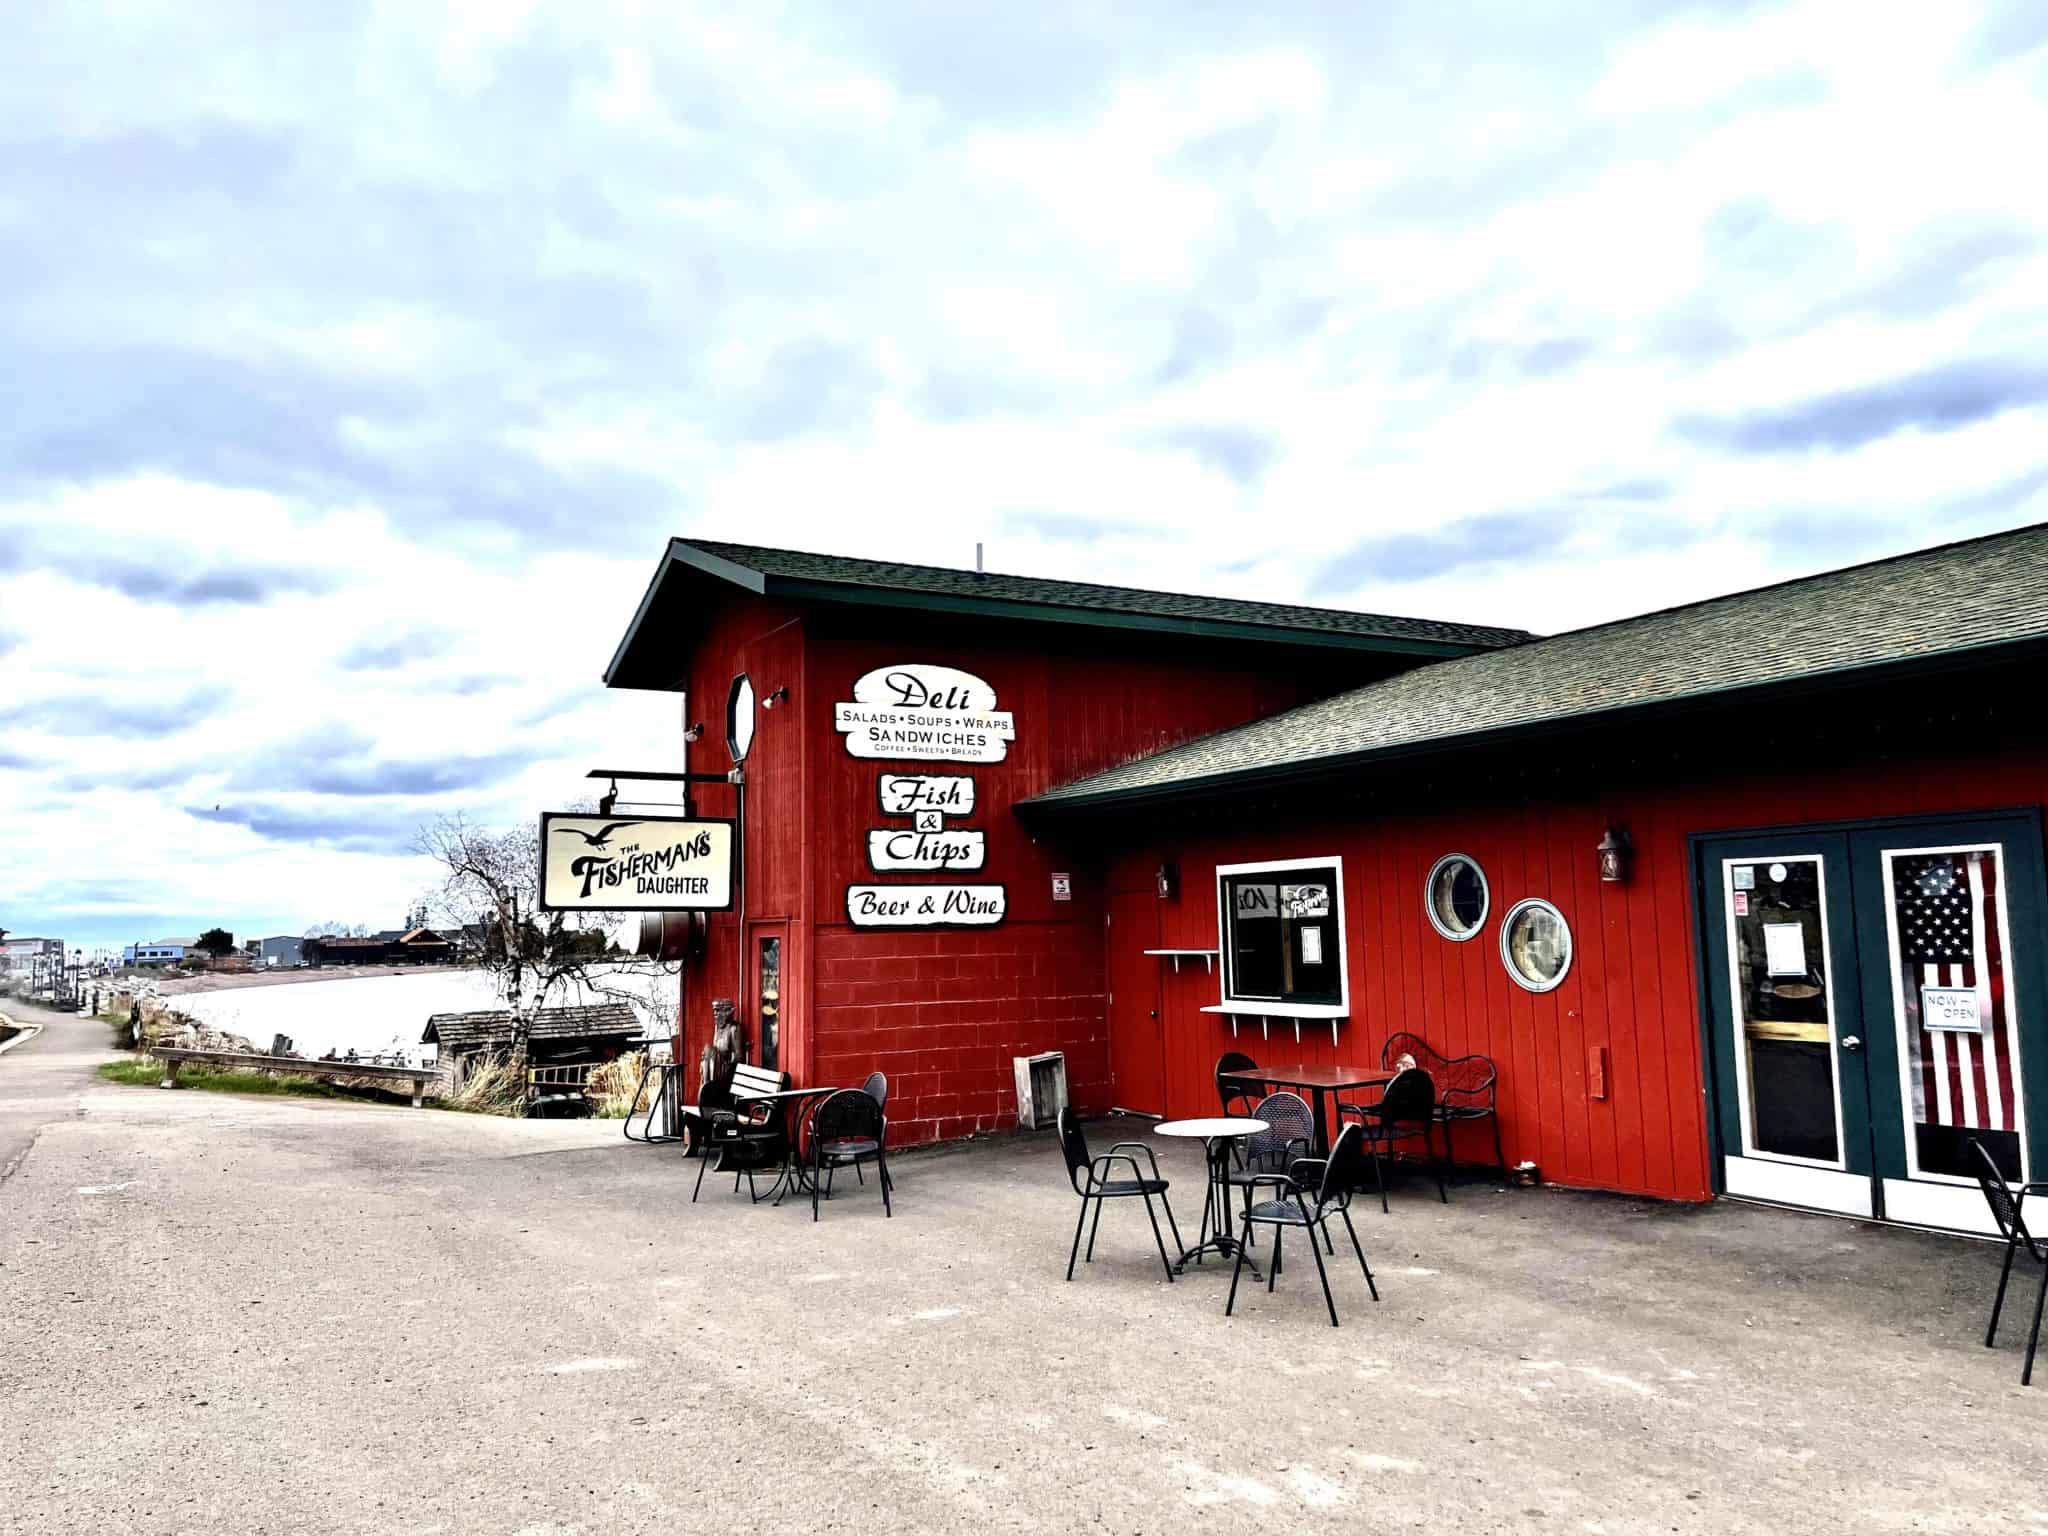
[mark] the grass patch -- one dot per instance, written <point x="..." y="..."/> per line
<point x="147" y="1072"/>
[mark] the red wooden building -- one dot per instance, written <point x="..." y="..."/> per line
<point x="1818" y="976"/>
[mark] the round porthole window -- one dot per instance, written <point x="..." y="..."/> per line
<point x="1536" y="944"/>
<point x="1455" y="896"/>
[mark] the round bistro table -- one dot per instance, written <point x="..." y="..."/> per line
<point x="1216" y="1133"/>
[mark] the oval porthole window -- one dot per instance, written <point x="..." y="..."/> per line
<point x="739" y="718"/>
<point x="1455" y="896"/>
<point x="1536" y="944"/>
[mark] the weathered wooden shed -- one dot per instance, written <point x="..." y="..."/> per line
<point x="576" y="1036"/>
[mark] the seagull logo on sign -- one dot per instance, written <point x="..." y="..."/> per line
<point x="601" y="838"/>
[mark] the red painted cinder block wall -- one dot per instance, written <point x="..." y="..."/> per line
<point x="945" y="1011"/>
<point x="944" y="1014"/>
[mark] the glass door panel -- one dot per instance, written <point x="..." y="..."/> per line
<point x="1778" y="946"/>
<point x="768" y="999"/>
<point x="1791" y="1088"/>
<point x="1958" y="1040"/>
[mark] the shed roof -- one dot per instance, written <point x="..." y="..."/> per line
<point x="645" y="657"/>
<point x="1951" y="602"/>
<point x="493" y="1026"/>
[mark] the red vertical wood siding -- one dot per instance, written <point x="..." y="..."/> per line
<point x="1632" y="988"/>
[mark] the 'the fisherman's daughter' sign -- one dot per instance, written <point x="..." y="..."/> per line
<point x="635" y="863"/>
<point x="925" y="713"/>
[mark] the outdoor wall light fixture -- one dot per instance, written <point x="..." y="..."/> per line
<point x="779" y="696"/>
<point x="1168" y="880"/>
<point x="694" y="731"/>
<point x="1614" y="853"/>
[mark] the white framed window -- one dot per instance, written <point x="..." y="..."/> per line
<point x="1455" y="896"/>
<point x="1536" y="944"/>
<point x="1282" y="930"/>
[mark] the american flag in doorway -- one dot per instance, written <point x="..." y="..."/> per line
<point x="1947" y="906"/>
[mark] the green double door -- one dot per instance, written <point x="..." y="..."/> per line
<point x="1878" y="1002"/>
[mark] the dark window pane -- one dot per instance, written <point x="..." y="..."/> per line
<point x="1282" y="944"/>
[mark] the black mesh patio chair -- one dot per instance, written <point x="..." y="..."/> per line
<point x="749" y="1136"/>
<point x="2012" y="1222"/>
<point x="1311" y="1191"/>
<point x="712" y="1097"/>
<point x="876" y="1088"/>
<point x="1091" y="1181"/>
<point x="1290" y="1134"/>
<point x="846" y="1129"/>
<point x="1236" y="1095"/>
<point x="1405" y="1111"/>
<point x="1466" y="1086"/>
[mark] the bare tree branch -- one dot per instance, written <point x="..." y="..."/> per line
<point x="490" y="890"/>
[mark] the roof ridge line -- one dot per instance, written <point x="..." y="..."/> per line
<point x="715" y="546"/>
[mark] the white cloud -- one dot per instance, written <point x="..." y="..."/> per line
<point x="447" y="309"/>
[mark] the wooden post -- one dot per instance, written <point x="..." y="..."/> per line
<point x="170" y="1077"/>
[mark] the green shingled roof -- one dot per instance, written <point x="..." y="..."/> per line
<point x="645" y="656"/>
<point x="1960" y="598"/>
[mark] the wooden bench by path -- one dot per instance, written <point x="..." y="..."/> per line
<point x="175" y="1056"/>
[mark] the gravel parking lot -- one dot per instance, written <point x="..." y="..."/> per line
<point x="229" y="1314"/>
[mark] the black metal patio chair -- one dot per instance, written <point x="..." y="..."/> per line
<point x="749" y="1135"/>
<point x="1091" y="1181"/>
<point x="2012" y="1222"/>
<point x="1290" y="1133"/>
<point x="1311" y="1191"/>
<point x="1466" y="1086"/>
<point x="1405" y="1111"/>
<point x="1235" y="1094"/>
<point x="846" y="1129"/>
<point x="876" y="1088"/>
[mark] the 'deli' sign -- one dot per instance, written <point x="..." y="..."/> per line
<point x="925" y="713"/>
<point x="635" y="863"/>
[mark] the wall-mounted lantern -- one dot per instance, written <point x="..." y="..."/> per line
<point x="694" y="732"/>
<point x="779" y="696"/>
<point x="1614" y="855"/>
<point x="1168" y="880"/>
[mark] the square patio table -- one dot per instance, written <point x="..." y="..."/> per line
<point x="1318" y="1083"/>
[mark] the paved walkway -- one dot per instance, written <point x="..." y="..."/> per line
<point x="253" y="1314"/>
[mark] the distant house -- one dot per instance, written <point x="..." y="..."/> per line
<point x="560" y="1037"/>
<point x="423" y="946"/>
<point x="282" y="952"/>
<point x="22" y="954"/>
<point x="339" y="950"/>
<point x="158" y="952"/>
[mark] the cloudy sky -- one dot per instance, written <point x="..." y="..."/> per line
<point x="358" y="358"/>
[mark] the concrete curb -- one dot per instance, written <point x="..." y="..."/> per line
<point x="28" y="1033"/>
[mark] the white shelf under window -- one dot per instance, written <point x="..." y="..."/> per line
<point x="1206" y="956"/>
<point x="1287" y="1013"/>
